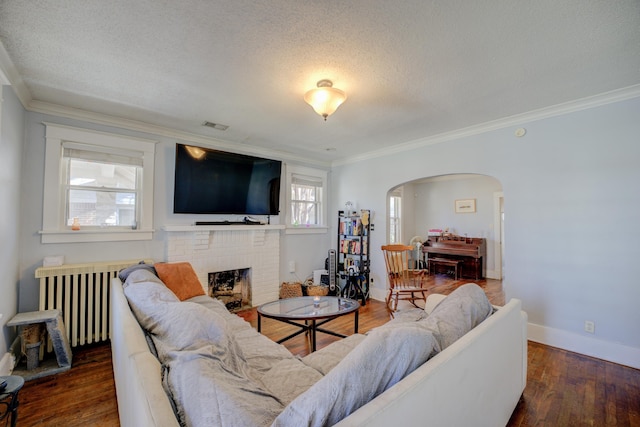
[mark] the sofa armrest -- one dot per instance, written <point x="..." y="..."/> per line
<point x="477" y="380"/>
<point x="432" y="301"/>
<point x="141" y="398"/>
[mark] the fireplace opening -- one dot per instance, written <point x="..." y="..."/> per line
<point x="232" y="287"/>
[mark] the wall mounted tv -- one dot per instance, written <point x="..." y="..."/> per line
<point x="209" y="181"/>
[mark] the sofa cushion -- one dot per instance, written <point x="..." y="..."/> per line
<point x="124" y="273"/>
<point x="432" y="301"/>
<point x="288" y="378"/>
<point x="411" y="314"/>
<point x="383" y="358"/>
<point x="174" y="325"/>
<point x="208" y="393"/>
<point x="180" y="278"/>
<point x="233" y="320"/>
<point x="142" y="285"/>
<point x="458" y="313"/>
<point x="162" y="315"/>
<point x="328" y="357"/>
<point x="259" y="352"/>
<point x="207" y="372"/>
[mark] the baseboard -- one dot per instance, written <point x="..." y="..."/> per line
<point x="492" y="274"/>
<point x="605" y="350"/>
<point x="378" y="294"/>
<point x="589" y="346"/>
<point x="6" y="364"/>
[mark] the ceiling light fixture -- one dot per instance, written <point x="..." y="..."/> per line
<point x="195" y="152"/>
<point x="325" y="99"/>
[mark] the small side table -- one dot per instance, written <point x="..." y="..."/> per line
<point x="353" y="287"/>
<point x="9" y="399"/>
<point x="55" y="327"/>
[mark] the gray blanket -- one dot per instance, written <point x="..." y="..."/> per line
<point x="220" y="371"/>
<point x="382" y="359"/>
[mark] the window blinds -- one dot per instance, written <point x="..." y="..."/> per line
<point x="74" y="150"/>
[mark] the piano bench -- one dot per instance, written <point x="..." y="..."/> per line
<point x="434" y="262"/>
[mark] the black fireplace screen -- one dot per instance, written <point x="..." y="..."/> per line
<point x="232" y="287"/>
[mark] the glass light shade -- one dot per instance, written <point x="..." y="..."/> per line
<point x="195" y="152"/>
<point x="325" y="99"/>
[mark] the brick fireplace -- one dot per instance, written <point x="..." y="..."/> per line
<point x="226" y="248"/>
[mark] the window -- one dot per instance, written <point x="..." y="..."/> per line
<point x="101" y="189"/>
<point x="306" y="198"/>
<point x="395" y="212"/>
<point x="103" y="182"/>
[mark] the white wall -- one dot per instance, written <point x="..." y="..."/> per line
<point x="572" y="209"/>
<point x="32" y="251"/>
<point x="571" y="204"/>
<point x="11" y="126"/>
<point x="307" y="251"/>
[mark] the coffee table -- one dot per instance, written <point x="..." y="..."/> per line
<point x="309" y="310"/>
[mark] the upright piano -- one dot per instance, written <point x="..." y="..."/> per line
<point x="470" y="251"/>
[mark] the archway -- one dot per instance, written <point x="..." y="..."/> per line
<point x="461" y="205"/>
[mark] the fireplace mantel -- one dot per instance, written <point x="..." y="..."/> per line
<point x="230" y="227"/>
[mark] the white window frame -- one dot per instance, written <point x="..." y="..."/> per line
<point x="54" y="228"/>
<point x="314" y="174"/>
<point x="395" y="218"/>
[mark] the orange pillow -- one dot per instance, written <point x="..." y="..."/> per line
<point x="180" y="278"/>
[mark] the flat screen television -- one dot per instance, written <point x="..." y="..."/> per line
<point x="209" y="181"/>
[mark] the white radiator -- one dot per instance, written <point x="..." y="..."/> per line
<point x="81" y="292"/>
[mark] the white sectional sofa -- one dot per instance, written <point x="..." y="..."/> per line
<point x="477" y="380"/>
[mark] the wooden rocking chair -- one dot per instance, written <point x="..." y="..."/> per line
<point x="404" y="283"/>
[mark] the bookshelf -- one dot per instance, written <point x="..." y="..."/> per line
<point x="353" y="264"/>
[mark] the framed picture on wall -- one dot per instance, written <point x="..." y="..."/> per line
<point x="465" y="206"/>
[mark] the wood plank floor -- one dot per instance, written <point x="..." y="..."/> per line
<point x="563" y="388"/>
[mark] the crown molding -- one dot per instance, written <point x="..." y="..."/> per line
<point x="5" y="62"/>
<point x="138" y="126"/>
<point x="9" y="76"/>
<point x="605" y="98"/>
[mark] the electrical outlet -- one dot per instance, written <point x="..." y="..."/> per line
<point x="589" y="326"/>
<point x="292" y="266"/>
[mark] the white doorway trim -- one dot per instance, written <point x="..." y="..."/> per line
<point x="498" y="200"/>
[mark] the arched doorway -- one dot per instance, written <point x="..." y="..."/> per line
<point x="415" y="207"/>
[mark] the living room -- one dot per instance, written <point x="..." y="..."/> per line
<point x="569" y="185"/>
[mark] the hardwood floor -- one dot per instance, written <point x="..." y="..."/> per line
<point x="83" y="396"/>
<point x="569" y="389"/>
<point x="563" y="388"/>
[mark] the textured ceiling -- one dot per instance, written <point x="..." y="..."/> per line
<point x="411" y="69"/>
